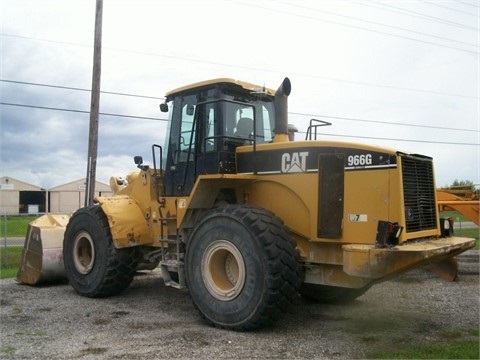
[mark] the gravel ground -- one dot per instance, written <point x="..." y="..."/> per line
<point x="152" y="321"/>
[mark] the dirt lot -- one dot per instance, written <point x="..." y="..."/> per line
<point x="151" y="321"/>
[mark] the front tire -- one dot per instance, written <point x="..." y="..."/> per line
<point x="241" y="267"/>
<point x="95" y="268"/>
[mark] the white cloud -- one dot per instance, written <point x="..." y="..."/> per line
<point x="340" y="65"/>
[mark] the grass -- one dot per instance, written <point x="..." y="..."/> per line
<point x="16" y="226"/>
<point x="470" y="233"/>
<point x="464" y="349"/>
<point x="8" y="350"/>
<point x="10" y="258"/>
<point x="455" y="215"/>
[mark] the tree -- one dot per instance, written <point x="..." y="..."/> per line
<point x="462" y="185"/>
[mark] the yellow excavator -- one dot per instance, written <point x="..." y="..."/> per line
<point x="245" y="218"/>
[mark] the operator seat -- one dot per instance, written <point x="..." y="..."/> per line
<point x="244" y="128"/>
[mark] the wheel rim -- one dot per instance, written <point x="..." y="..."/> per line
<point x="83" y="252"/>
<point x="223" y="270"/>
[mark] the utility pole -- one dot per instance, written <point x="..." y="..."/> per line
<point x="94" y="107"/>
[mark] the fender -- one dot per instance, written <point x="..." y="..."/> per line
<point x="125" y="218"/>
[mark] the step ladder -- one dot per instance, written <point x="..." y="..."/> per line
<point x="171" y="263"/>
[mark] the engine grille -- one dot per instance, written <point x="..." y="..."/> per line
<point x="419" y="193"/>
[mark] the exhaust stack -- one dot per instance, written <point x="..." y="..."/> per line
<point x="281" y="111"/>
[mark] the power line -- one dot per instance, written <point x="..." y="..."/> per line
<point x="362" y="28"/>
<point x="397" y="139"/>
<point x="292" y="113"/>
<point x="360" y="83"/>
<point x="448" y="8"/>
<point x="423" y="16"/>
<point x="79" y="89"/>
<point x="81" y="111"/>
<point x="381" y="24"/>
<point x="159" y="119"/>
<point x="468" y="4"/>
<point x="383" y="122"/>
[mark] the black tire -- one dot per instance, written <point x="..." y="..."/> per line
<point x="241" y="267"/>
<point x="331" y="294"/>
<point x="94" y="267"/>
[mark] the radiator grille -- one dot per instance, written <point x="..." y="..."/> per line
<point x="419" y="193"/>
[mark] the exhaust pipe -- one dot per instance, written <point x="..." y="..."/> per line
<point x="281" y="111"/>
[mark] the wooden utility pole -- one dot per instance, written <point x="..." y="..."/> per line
<point x="94" y="107"/>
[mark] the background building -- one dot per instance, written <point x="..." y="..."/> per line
<point x="18" y="197"/>
<point x="69" y="197"/>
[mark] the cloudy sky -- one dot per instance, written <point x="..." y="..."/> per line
<point x="401" y="74"/>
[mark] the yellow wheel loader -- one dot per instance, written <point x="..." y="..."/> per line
<point x="246" y="219"/>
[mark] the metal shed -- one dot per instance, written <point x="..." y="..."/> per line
<point x="70" y="197"/>
<point x="19" y="197"/>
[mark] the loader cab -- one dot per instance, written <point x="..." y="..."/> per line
<point x="208" y="121"/>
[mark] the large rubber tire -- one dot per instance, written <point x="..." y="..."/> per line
<point x="241" y="267"/>
<point x="331" y="294"/>
<point x="94" y="267"/>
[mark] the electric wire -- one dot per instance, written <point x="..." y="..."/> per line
<point x="360" y="28"/>
<point x="468" y="4"/>
<point x="291" y="113"/>
<point x="398" y="139"/>
<point x="80" y="89"/>
<point x="384" y="122"/>
<point x="353" y="82"/>
<point x="80" y="111"/>
<point x="421" y="16"/>
<point x="448" y="8"/>
<point x="437" y="19"/>
<point x="379" y="24"/>
<point x="301" y="132"/>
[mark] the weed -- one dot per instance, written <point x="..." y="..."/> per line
<point x="8" y="350"/>
<point x="93" y="351"/>
<point x="467" y="349"/>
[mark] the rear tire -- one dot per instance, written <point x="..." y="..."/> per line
<point x="241" y="267"/>
<point x="331" y="294"/>
<point x="95" y="268"/>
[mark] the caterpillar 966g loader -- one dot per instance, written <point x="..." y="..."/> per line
<point x="246" y="219"/>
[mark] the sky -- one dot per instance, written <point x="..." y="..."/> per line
<point x="397" y="74"/>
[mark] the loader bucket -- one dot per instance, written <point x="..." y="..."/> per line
<point x="42" y="255"/>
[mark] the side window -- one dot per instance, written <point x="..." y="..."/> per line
<point x="186" y="140"/>
<point x="210" y="127"/>
<point x="266" y="126"/>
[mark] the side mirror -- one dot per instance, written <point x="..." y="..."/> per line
<point x="138" y="160"/>
<point x="163" y="107"/>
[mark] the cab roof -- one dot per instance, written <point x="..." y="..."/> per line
<point x="243" y="84"/>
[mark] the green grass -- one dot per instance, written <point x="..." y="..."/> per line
<point x="455" y="215"/>
<point x="464" y="349"/>
<point x="470" y="233"/>
<point x="16" y="226"/>
<point x="9" y="261"/>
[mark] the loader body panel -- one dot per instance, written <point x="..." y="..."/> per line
<point x="235" y="202"/>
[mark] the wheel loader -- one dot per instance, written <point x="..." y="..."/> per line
<point x="246" y="219"/>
